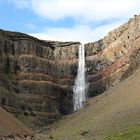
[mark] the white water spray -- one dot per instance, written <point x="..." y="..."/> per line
<point x="79" y="96"/>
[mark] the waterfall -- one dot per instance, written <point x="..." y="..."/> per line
<point x="79" y="96"/>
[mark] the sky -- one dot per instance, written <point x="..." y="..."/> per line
<point x="66" y="20"/>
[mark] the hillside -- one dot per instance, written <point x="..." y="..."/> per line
<point x="10" y="127"/>
<point x="37" y="79"/>
<point x="113" y="115"/>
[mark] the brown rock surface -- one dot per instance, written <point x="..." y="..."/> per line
<point x="113" y="58"/>
<point x="36" y="76"/>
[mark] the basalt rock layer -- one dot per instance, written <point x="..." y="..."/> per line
<point x="37" y="77"/>
<point x="113" y="58"/>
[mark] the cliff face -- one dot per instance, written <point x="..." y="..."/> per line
<point x="113" y="58"/>
<point x="36" y="77"/>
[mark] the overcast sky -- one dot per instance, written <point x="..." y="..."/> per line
<point x="66" y="20"/>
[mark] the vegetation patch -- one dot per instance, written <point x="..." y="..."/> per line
<point x="129" y="134"/>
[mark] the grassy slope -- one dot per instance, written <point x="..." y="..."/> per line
<point x="114" y="115"/>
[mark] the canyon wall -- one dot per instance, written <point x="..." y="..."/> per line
<point x="113" y="58"/>
<point x="37" y="77"/>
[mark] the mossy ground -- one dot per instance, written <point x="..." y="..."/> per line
<point x="132" y="133"/>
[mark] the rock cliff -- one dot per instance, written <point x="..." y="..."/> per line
<point x="37" y="77"/>
<point x="113" y="58"/>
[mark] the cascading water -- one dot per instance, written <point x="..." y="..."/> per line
<point x="79" y="96"/>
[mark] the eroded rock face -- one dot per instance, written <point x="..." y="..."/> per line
<point x="37" y="76"/>
<point x="113" y="58"/>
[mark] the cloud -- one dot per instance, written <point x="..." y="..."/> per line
<point x="86" y="14"/>
<point x="82" y="33"/>
<point x="81" y="10"/>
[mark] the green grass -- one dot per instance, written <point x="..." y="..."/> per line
<point x="129" y="134"/>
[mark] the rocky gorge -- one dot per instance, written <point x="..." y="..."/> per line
<point x="37" y="76"/>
